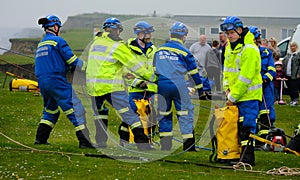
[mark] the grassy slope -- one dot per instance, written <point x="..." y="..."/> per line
<point x="21" y="112"/>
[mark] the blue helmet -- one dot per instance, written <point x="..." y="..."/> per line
<point x="231" y="23"/>
<point x="113" y="23"/>
<point x="143" y="26"/>
<point x="254" y="30"/>
<point x="179" y="28"/>
<point x="49" y="21"/>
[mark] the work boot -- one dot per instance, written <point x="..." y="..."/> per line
<point x="189" y="145"/>
<point x="166" y="143"/>
<point x="42" y="134"/>
<point x="248" y="156"/>
<point x="101" y="133"/>
<point x="124" y="134"/>
<point x="83" y="138"/>
<point x="141" y="139"/>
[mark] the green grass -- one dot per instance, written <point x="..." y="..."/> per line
<point x="21" y="113"/>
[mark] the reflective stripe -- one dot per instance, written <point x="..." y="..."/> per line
<point x="194" y="71"/>
<point x="152" y="78"/>
<point x="80" y="127"/>
<point x="102" y="58"/>
<point x="136" y="67"/>
<point x="164" y="113"/>
<point x="252" y="88"/>
<point x="100" y="117"/>
<point x="137" y="124"/>
<point x="231" y="98"/>
<point x="70" y="111"/>
<point x="123" y="110"/>
<point x="186" y="136"/>
<point x="52" y="43"/>
<point x="49" y="123"/>
<point x="181" y="113"/>
<point x="122" y="128"/>
<point x="269" y="76"/>
<point x="164" y="134"/>
<point x="135" y="82"/>
<point x="72" y="59"/>
<point x="244" y="143"/>
<point x="265" y="111"/>
<point x="173" y="50"/>
<point x="262" y="132"/>
<point x="241" y="119"/>
<point x="271" y="68"/>
<point x="52" y="111"/>
<point x="245" y="80"/>
<point x="108" y="81"/>
<point x="227" y="69"/>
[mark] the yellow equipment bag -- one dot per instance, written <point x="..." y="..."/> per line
<point x="143" y="109"/>
<point x="23" y="85"/>
<point x="228" y="146"/>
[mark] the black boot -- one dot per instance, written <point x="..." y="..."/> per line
<point x="189" y="144"/>
<point x="101" y="133"/>
<point x="166" y="143"/>
<point x="248" y="155"/>
<point x="124" y="134"/>
<point x="42" y="134"/>
<point x="83" y="138"/>
<point x="141" y="139"/>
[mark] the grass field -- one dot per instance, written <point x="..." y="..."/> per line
<point x="20" y="115"/>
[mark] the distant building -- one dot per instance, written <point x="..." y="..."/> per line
<point x="278" y="27"/>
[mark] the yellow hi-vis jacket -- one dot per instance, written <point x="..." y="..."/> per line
<point x="242" y="67"/>
<point x="107" y="60"/>
<point x="146" y="60"/>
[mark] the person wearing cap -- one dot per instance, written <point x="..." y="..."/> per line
<point x="172" y="62"/>
<point x="273" y="46"/>
<point x="242" y="81"/>
<point x="141" y="91"/>
<point x="267" y="116"/>
<point x="53" y="59"/>
<point x="107" y="59"/>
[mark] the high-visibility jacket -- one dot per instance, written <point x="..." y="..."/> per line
<point x="106" y="61"/>
<point x="242" y="68"/>
<point x="146" y="60"/>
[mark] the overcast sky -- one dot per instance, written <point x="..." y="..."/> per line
<point x="23" y="14"/>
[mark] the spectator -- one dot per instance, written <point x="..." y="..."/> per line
<point x="291" y="67"/>
<point x="199" y="50"/>
<point x="264" y="43"/>
<point x="280" y="75"/>
<point x="213" y="65"/>
<point x="222" y="46"/>
<point x="242" y="81"/>
<point x="273" y="46"/>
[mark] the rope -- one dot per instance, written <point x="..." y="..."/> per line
<point x="285" y="171"/>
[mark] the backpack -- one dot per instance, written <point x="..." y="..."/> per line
<point x="226" y="142"/>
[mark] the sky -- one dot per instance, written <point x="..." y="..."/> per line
<point x="24" y="14"/>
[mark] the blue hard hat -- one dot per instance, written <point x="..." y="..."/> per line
<point x="231" y="23"/>
<point x="142" y="26"/>
<point x="49" y="21"/>
<point x="179" y="28"/>
<point x="113" y="23"/>
<point x="254" y="30"/>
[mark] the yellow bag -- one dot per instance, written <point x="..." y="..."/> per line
<point x="228" y="146"/>
<point x="23" y="85"/>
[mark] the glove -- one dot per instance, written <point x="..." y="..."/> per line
<point x="142" y="85"/>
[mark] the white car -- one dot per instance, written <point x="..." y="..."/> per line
<point x="284" y="44"/>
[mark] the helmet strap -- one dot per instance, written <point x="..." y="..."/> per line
<point x="55" y="32"/>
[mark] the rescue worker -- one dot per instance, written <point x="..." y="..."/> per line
<point x="108" y="57"/>
<point x="172" y="62"/>
<point x="53" y="60"/>
<point x="144" y="49"/>
<point x="242" y="81"/>
<point x="266" y="117"/>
